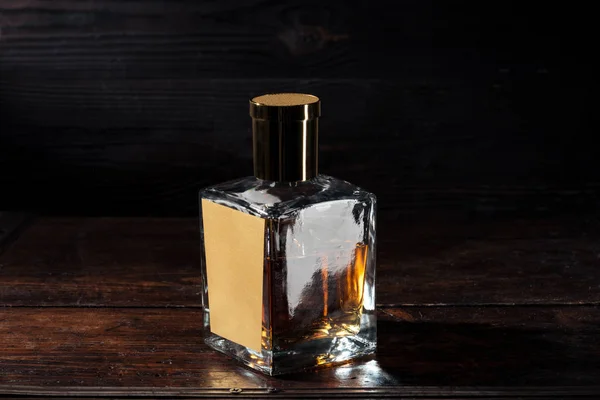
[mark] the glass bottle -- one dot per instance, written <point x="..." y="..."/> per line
<point x="288" y="255"/>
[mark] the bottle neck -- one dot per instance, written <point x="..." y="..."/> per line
<point x="285" y="150"/>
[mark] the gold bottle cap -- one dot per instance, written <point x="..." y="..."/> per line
<point x="285" y="129"/>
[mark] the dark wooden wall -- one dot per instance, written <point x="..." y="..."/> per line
<point x="115" y="107"/>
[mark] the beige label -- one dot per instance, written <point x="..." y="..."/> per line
<point x="234" y="247"/>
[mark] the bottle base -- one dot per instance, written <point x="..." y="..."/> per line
<point x="313" y="354"/>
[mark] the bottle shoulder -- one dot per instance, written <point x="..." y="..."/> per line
<point x="269" y="199"/>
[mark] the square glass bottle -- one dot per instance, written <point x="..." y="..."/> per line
<point x="288" y="255"/>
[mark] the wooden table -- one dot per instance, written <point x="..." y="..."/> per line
<point x="467" y="308"/>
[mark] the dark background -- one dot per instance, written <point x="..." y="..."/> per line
<point x="115" y="107"/>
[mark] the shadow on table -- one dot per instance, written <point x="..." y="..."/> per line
<point x="436" y="354"/>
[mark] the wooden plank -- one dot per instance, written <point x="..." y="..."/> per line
<point x="144" y="147"/>
<point x="509" y="261"/>
<point x="110" y="39"/>
<point x="465" y="351"/>
<point x="126" y="108"/>
<point x="401" y="393"/>
<point x="106" y="39"/>
<point x="155" y="262"/>
<point x="432" y="393"/>
<point x="92" y="160"/>
<point x="103" y="262"/>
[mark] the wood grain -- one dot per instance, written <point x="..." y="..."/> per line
<point x="103" y="262"/>
<point x="112" y="108"/>
<point x="154" y="262"/>
<point x="449" y="351"/>
<point x="150" y="144"/>
<point x="108" y="39"/>
<point x="146" y="147"/>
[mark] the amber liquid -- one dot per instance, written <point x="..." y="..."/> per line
<point x="330" y="306"/>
